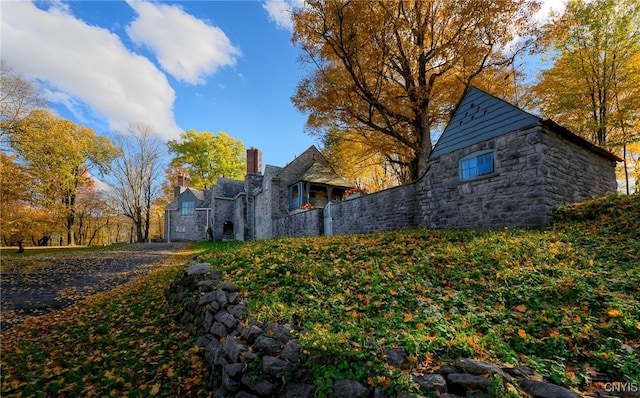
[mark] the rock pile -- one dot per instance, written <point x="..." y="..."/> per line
<point x="249" y="359"/>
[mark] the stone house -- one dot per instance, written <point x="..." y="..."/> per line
<point x="494" y="166"/>
<point x="285" y="201"/>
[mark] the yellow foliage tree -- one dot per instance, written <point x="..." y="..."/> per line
<point x="593" y="87"/>
<point x="208" y="156"/>
<point x="397" y="68"/>
<point x="59" y="155"/>
<point x="20" y="218"/>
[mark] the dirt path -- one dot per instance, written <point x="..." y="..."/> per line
<point x="35" y="285"/>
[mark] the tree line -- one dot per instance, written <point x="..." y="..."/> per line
<point x="64" y="184"/>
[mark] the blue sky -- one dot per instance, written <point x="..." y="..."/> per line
<point x="172" y="65"/>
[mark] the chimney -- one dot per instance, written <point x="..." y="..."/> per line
<point x="183" y="184"/>
<point x="254" y="161"/>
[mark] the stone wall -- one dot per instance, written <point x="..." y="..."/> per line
<point x="240" y="213"/>
<point x="573" y="174"/>
<point x="186" y="228"/>
<point x="512" y="196"/>
<point x="298" y="224"/>
<point x="253" y="184"/>
<point x="387" y="210"/>
<point x="223" y="211"/>
<point x="535" y="171"/>
<point x="250" y="359"/>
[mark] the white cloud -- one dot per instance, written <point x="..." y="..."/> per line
<point x="547" y="6"/>
<point x="87" y="63"/>
<point x="186" y="47"/>
<point x="280" y="11"/>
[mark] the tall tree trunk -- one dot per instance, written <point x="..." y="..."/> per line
<point x="139" y="234"/>
<point x="626" y="169"/>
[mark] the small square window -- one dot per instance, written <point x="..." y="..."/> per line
<point x="476" y="165"/>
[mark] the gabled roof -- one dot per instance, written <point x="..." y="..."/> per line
<point x="203" y="198"/>
<point x="320" y="174"/>
<point x="480" y="116"/>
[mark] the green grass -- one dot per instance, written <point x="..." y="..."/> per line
<point x="563" y="300"/>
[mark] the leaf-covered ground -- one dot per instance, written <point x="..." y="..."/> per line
<point x="123" y="342"/>
<point x="35" y="283"/>
<point x="563" y="300"/>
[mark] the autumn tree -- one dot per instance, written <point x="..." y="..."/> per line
<point x="208" y="156"/>
<point x="593" y="87"/>
<point x="60" y="156"/>
<point x="354" y="158"/>
<point x="396" y="68"/>
<point x="21" y="218"/>
<point x="94" y="214"/>
<point x="136" y="176"/>
<point x="18" y="98"/>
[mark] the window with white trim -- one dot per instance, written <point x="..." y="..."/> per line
<point x="188" y="208"/>
<point x="476" y="165"/>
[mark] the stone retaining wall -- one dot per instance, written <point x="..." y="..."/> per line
<point x="302" y="223"/>
<point x="248" y="359"/>
<point x="388" y="210"/>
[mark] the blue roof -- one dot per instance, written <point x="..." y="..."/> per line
<point x="478" y="117"/>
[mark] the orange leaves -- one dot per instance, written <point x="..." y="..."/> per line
<point x="614" y="313"/>
<point x="155" y="389"/>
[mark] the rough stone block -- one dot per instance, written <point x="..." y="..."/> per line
<point x="226" y="319"/>
<point x="266" y="345"/>
<point x="218" y="329"/>
<point x="473" y="382"/>
<point x="291" y="351"/>
<point x="431" y="382"/>
<point x="274" y="366"/>
<point x="349" y="389"/>
<point x="233" y="349"/>
<point x="239" y="311"/>
<point x="221" y="297"/>
<point x="541" y="389"/>
<point x="207" y="298"/>
<point x="234" y="370"/>
<point x="299" y="390"/>
<point x="263" y="388"/>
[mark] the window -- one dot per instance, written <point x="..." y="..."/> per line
<point x="298" y="195"/>
<point x="188" y="208"/>
<point x="476" y="165"/>
<point x="295" y="200"/>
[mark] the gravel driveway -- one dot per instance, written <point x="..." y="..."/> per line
<point x="35" y="285"/>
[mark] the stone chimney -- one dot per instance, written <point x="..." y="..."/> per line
<point x="254" y="161"/>
<point x="183" y="184"/>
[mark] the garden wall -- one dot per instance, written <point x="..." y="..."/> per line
<point x="302" y="223"/>
<point x="387" y="210"/>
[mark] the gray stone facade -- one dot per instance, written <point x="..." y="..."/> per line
<point x="535" y="171"/>
<point x="530" y="167"/>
